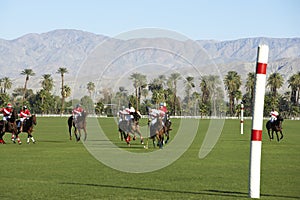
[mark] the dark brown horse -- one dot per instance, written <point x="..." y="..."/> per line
<point x="276" y="127"/>
<point x="10" y="126"/>
<point x="158" y="131"/>
<point x="28" y="125"/>
<point x="78" y="124"/>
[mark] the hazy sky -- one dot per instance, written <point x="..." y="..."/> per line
<point x="196" y="19"/>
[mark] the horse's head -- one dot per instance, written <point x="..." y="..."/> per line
<point x="33" y="117"/>
<point x="280" y="118"/>
<point x="278" y="122"/>
<point x="84" y="114"/>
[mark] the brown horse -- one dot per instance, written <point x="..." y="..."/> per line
<point x="10" y="126"/>
<point x="28" y="125"/>
<point x="276" y="127"/>
<point x="158" y="131"/>
<point x="78" y="124"/>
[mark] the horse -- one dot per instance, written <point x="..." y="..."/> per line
<point x="10" y="126"/>
<point x="158" y="131"/>
<point x="168" y="124"/>
<point x="78" y="124"/>
<point x="28" y="125"/>
<point x="127" y="127"/>
<point x="276" y="127"/>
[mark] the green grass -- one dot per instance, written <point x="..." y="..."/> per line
<point x="57" y="168"/>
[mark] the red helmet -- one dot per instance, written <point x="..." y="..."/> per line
<point x="9" y="105"/>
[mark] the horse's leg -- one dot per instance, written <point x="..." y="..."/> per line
<point x="134" y="131"/>
<point x="128" y="139"/>
<point x="18" y="138"/>
<point x="272" y="134"/>
<point x="161" y="141"/>
<point x="140" y="134"/>
<point x="158" y="137"/>
<point x="269" y="133"/>
<point x="85" y="134"/>
<point x="168" y="137"/>
<point x="79" y="133"/>
<point x="277" y="136"/>
<point x="281" y="137"/>
<point x="13" y="133"/>
<point x="153" y="141"/>
<point x="70" y="132"/>
<point x="1" y="136"/>
<point x="70" y="124"/>
<point x="123" y="135"/>
<point x="29" y="136"/>
<point x="77" y="136"/>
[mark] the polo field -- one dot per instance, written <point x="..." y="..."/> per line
<point x="56" y="167"/>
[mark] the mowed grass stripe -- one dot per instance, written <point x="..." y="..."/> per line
<point x="57" y="168"/>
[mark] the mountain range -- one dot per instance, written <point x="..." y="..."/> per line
<point x="109" y="62"/>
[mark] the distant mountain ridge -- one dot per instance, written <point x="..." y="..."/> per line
<point x="46" y="52"/>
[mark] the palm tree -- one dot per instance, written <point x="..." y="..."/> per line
<point x="7" y="83"/>
<point x="139" y="82"/>
<point x="173" y="78"/>
<point x="1" y="87"/>
<point x="47" y="85"/>
<point x="91" y="88"/>
<point x="189" y="85"/>
<point x="211" y="91"/>
<point x="162" y="80"/>
<point x="121" y="96"/>
<point x="66" y="91"/>
<point x="47" y="82"/>
<point x="156" y="87"/>
<point x="62" y="71"/>
<point x="250" y="82"/>
<point x="294" y="83"/>
<point x="204" y="86"/>
<point x="274" y="82"/>
<point x="232" y="83"/>
<point x="28" y="73"/>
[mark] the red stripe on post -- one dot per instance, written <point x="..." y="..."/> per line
<point x="261" y="68"/>
<point x="256" y="135"/>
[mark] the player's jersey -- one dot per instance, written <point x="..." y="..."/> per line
<point x="24" y="113"/>
<point x="6" y="111"/>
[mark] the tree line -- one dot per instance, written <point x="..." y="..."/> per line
<point x="208" y="96"/>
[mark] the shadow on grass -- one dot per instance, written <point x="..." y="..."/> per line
<point x="201" y="192"/>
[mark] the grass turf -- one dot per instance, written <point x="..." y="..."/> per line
<point x="57" y="168"/>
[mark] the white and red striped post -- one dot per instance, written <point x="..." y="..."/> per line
<point x="257" y="121"/>
<point x="242" y="118"/>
